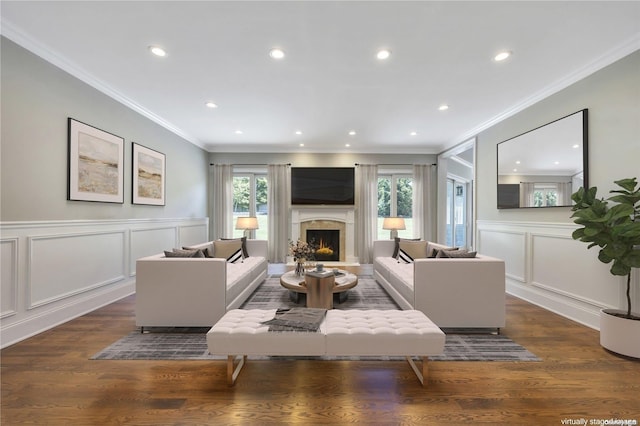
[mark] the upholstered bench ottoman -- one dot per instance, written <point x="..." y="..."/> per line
<point x="343" y="332"/>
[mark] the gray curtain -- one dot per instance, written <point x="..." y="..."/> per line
<point x="564" y="193"/>
<point x="366" y="210"/>
<point x="423" y="202"/>
<point x="279" y="202"/>
<point x="526" y="194"/>
<point x="222" y="202"/>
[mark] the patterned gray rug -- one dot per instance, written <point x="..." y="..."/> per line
<point x="190" y="343"/>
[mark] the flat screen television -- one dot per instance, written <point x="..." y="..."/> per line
<point x="322" y="185"/>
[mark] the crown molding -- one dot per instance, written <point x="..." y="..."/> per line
<point x="14" y="33"/>
<point x="623" y="49"/>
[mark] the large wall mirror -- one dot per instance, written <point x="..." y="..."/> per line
<point x="544" y="166"/>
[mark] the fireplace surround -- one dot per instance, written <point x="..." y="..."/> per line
<point x="327" y="218"/>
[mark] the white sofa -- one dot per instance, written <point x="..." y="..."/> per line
<point x="189" y="292"/>
<point x="453" y="293"/>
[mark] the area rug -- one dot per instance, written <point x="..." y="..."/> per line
<point x="180" y="343"/>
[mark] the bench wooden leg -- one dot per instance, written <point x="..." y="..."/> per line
<point x="232" y="373"/>
<point x="421" y="373"/>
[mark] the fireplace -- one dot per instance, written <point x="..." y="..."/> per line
<point x="327" y="242"/>
<point x="322" y="218"/>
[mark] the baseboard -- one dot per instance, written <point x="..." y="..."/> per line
<point x="574" y="310"/>
<point x="21" y="330"/>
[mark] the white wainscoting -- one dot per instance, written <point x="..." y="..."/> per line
<point x="545" y="266"/>
<point x="55" y="271"/>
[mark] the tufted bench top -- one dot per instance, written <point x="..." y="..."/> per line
<point x="343" y="332"/>
<point x="381" y="332"/>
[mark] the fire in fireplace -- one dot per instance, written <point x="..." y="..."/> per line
<point x="328" y="243"/>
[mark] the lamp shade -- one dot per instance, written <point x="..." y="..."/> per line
<point x="393" y="223"/>
<point x="247" y="223"/>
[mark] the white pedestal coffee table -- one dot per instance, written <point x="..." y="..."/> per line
<point x="320" y="291"/>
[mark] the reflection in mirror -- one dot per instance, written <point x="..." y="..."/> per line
<point x="543" y="167"/>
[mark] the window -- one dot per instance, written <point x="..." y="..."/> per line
<point x="250" y="199"/>
<point x="456" y="213"/>
<point x="545" y="195"/>
<point x="395" y="199"/>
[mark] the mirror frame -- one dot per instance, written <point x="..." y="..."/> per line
<point x="512" y="193"/>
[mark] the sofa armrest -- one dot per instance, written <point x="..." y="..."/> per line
<point x="180" y="291"/>
<point x="461" y="292"/>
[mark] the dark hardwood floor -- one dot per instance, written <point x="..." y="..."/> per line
<point x="49" y="379"/>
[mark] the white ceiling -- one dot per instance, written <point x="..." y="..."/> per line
<point x="330" y="81"/>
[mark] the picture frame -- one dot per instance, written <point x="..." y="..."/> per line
<point x="148" y="177"/>
<point x="95" y="166"/>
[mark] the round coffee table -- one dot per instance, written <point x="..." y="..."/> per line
<point x="337" y="292"/>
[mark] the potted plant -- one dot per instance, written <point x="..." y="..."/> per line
<point x="616" y="230"/>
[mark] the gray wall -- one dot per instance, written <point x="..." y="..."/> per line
<point x="544" y="265"/>
<point x="37" y="98"/>
<point x="612" y="96"/>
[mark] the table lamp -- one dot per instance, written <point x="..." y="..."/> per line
<point x="248" y="224"/>
<point x="393" y="224"/>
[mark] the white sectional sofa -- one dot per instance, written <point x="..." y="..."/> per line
<point x="453" y="293"/>
<point x="185" y="292"/>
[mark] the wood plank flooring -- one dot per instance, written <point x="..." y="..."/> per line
<point x="49" y="379"/>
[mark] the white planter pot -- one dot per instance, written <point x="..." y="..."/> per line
<point x="619" y="335"/>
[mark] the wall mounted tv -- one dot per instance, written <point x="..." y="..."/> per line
<point x="322" y="185"/>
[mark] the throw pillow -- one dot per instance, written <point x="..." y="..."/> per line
<point x="245" y="253"/>
<point x="435" y="251"/>
<point x="206" y="250"/>
<point x="228" y="249"/>
<point x="458" y="254"/>
<point x="183" y="253"/>
<point x="396" y="248"/>
<point x="409" y="250"/>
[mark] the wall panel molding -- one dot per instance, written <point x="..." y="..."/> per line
<point x="64" y="265"/>
<point x="9" y="276"/>
<point x="54" y="271"/>
<point x="561" y="275"/>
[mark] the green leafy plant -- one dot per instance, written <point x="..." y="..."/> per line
<point x="615" y="229"/>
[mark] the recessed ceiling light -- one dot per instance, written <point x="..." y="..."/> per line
<point x="517" y="161"/>
<point x="443" y="107"/>
<point x="383" y="54"/>
<point x="556" y="162"/>
<point x="576" y="146"/>
<point x="515" y="170"/>
<point x="347" y="145"/>
<point x="238" y="132"/>
<point x="502" y="56"/>
<point x="298" y="132"/>
<point x="352" y="133"/>
<point x="158" y="51"/>
<point x="301" y="144"/>
<point x="276" y="53"/>
<point x="413" y="133"/>
<point x="211" y="105"/>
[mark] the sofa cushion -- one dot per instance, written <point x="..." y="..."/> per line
<point x="243" y="240"/>
<point x="410" y="250"/>
<point x="183" y="253"/>
<point x="228" y="249"/>
<point x="435" y="251"/>
<point x="206" y="250"/>
<point x="458" y="254"/>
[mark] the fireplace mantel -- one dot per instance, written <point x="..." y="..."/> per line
<point x="346" y="215"/>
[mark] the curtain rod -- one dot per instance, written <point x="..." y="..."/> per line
<point x="249" y="164"/>
<point x="406" y="164"/>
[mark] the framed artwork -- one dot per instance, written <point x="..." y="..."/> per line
<point x="95" y="164"/>
<point x="148" y="178"/>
